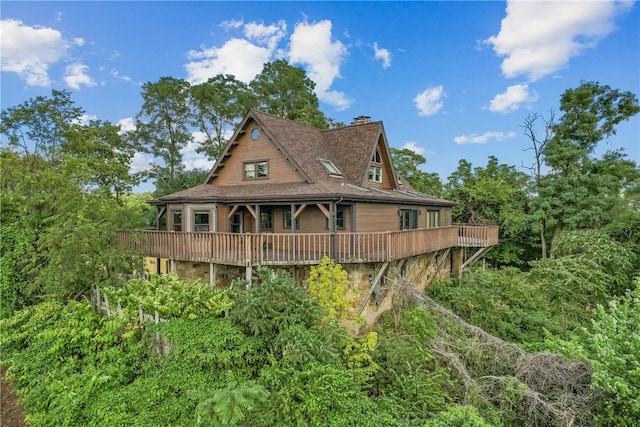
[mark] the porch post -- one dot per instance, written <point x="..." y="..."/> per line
<point x="332" y="230"/>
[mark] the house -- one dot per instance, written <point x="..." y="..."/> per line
<point x="286" y="194"/>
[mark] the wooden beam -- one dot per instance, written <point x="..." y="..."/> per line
<point x="323" y="210"/>
<point x="299" y="211"/>
<point x="475" y="257"/>
<point x="365" y="300"/>
<point x="233" y="211"/>
<point x="251" y="211"/>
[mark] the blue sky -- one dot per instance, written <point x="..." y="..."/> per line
<point x="451" y="80"/>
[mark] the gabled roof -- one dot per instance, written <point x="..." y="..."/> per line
<point x="349" y="148"/>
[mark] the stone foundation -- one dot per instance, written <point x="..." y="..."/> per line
<point x="418" y="270"/>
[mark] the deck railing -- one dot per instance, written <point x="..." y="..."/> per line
<point x="303" y="248"/>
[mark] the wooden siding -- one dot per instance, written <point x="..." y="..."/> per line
<point x="304" y="248"/>
<point x="373" y="217"/>
<point x="280" y="169"/>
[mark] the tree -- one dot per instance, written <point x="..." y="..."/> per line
<point x="407" y="163"/>
<point x="285" y="91"/>
<point x="38" y="127"/>
<point x="494" y="195"/>
<point x="162" y="124"/>
<point x="61" y="189"/>
<point x="218" y="104"/>
<point x="538" y="146"/>
<point x="580" y="189"/>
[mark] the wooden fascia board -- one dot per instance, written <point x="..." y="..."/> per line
<point x="228" y="147"/>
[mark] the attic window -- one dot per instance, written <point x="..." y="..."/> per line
<point x="376" y="158"/>
<point x="375" y="168"/>
<point x="330" y="167"/>
<point x="256" y="170"/>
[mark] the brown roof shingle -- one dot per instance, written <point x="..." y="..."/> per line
<point x="349" y="148"/>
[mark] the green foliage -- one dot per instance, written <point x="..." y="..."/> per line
<point x="319" y="395"/>
<point x="571" y="285"/>
<point x="571" y="194"/>
<point x="171" y="297"/>
<point x="328" y="286"/>
<point x="612" y="257"/>
<point x="228" y="405"/>
<point x="458" y="416"/>
<point x="407" y="163"/>
<point x="504" y="303"/>
<point x="285" y="91"/>
<point x="413" y="386"/>
<point x="217" y="105"/>
<point x="286" y="319"/>
<point x="611" y="343"/>
<point x="162" y="123"/>
<point x="60" y="356"/>
<point x="62" y="187"/>
<point x="495" y="195"/>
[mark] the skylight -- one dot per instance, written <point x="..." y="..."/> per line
<point x="330" y="167"/>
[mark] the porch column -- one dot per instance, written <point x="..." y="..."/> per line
<point x="332" y="230"/>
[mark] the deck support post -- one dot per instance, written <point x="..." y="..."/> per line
<point x="248" y="272"/>
<point x="212" y="273"/>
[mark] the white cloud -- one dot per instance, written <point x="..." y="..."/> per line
<point x="311" y="45"/>
<point x="266" y="35"/>
<point x="512" y="99"/>
<point x="484" y="138"/>
<point x="240" y="57"/>
<point x="237" y="57"/>
<point x="30" y="51"/>
<point x="116" y="74"/>
<point x="84" y="119"/>
<point x="75" y="76"/>
<point x="413" y="146"/>
<point x="383" y="55"/>
<point x="429" y="101"/>
<point x="140" y="162"/>
<point x="126" y="125"/>
<point x="538" y="38"/>
<point x="232" y="24"/>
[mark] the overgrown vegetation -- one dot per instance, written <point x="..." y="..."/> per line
<point x="548" y="336"/>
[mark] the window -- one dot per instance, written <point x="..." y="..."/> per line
<point x="447" y="218"/>
<point x="287" y="220"/>
<point x="340" y="218"/>
<point x="256" y="170"/>
<point x="330" y="167"/>
<point x="375" y="169"/>
<point x="408" y="219"/>
<point x="375" y="174"/>
<point x="376" y="158"/>
<point x="266" y="219"/>
<point x="176" y="221"/>
<point x="433" y="219"/>
<point x="201" y="221"/>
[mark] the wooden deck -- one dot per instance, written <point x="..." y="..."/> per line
<point x="304" y="248"/>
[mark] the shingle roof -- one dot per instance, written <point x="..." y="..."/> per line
<point x="349" y="148"/>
